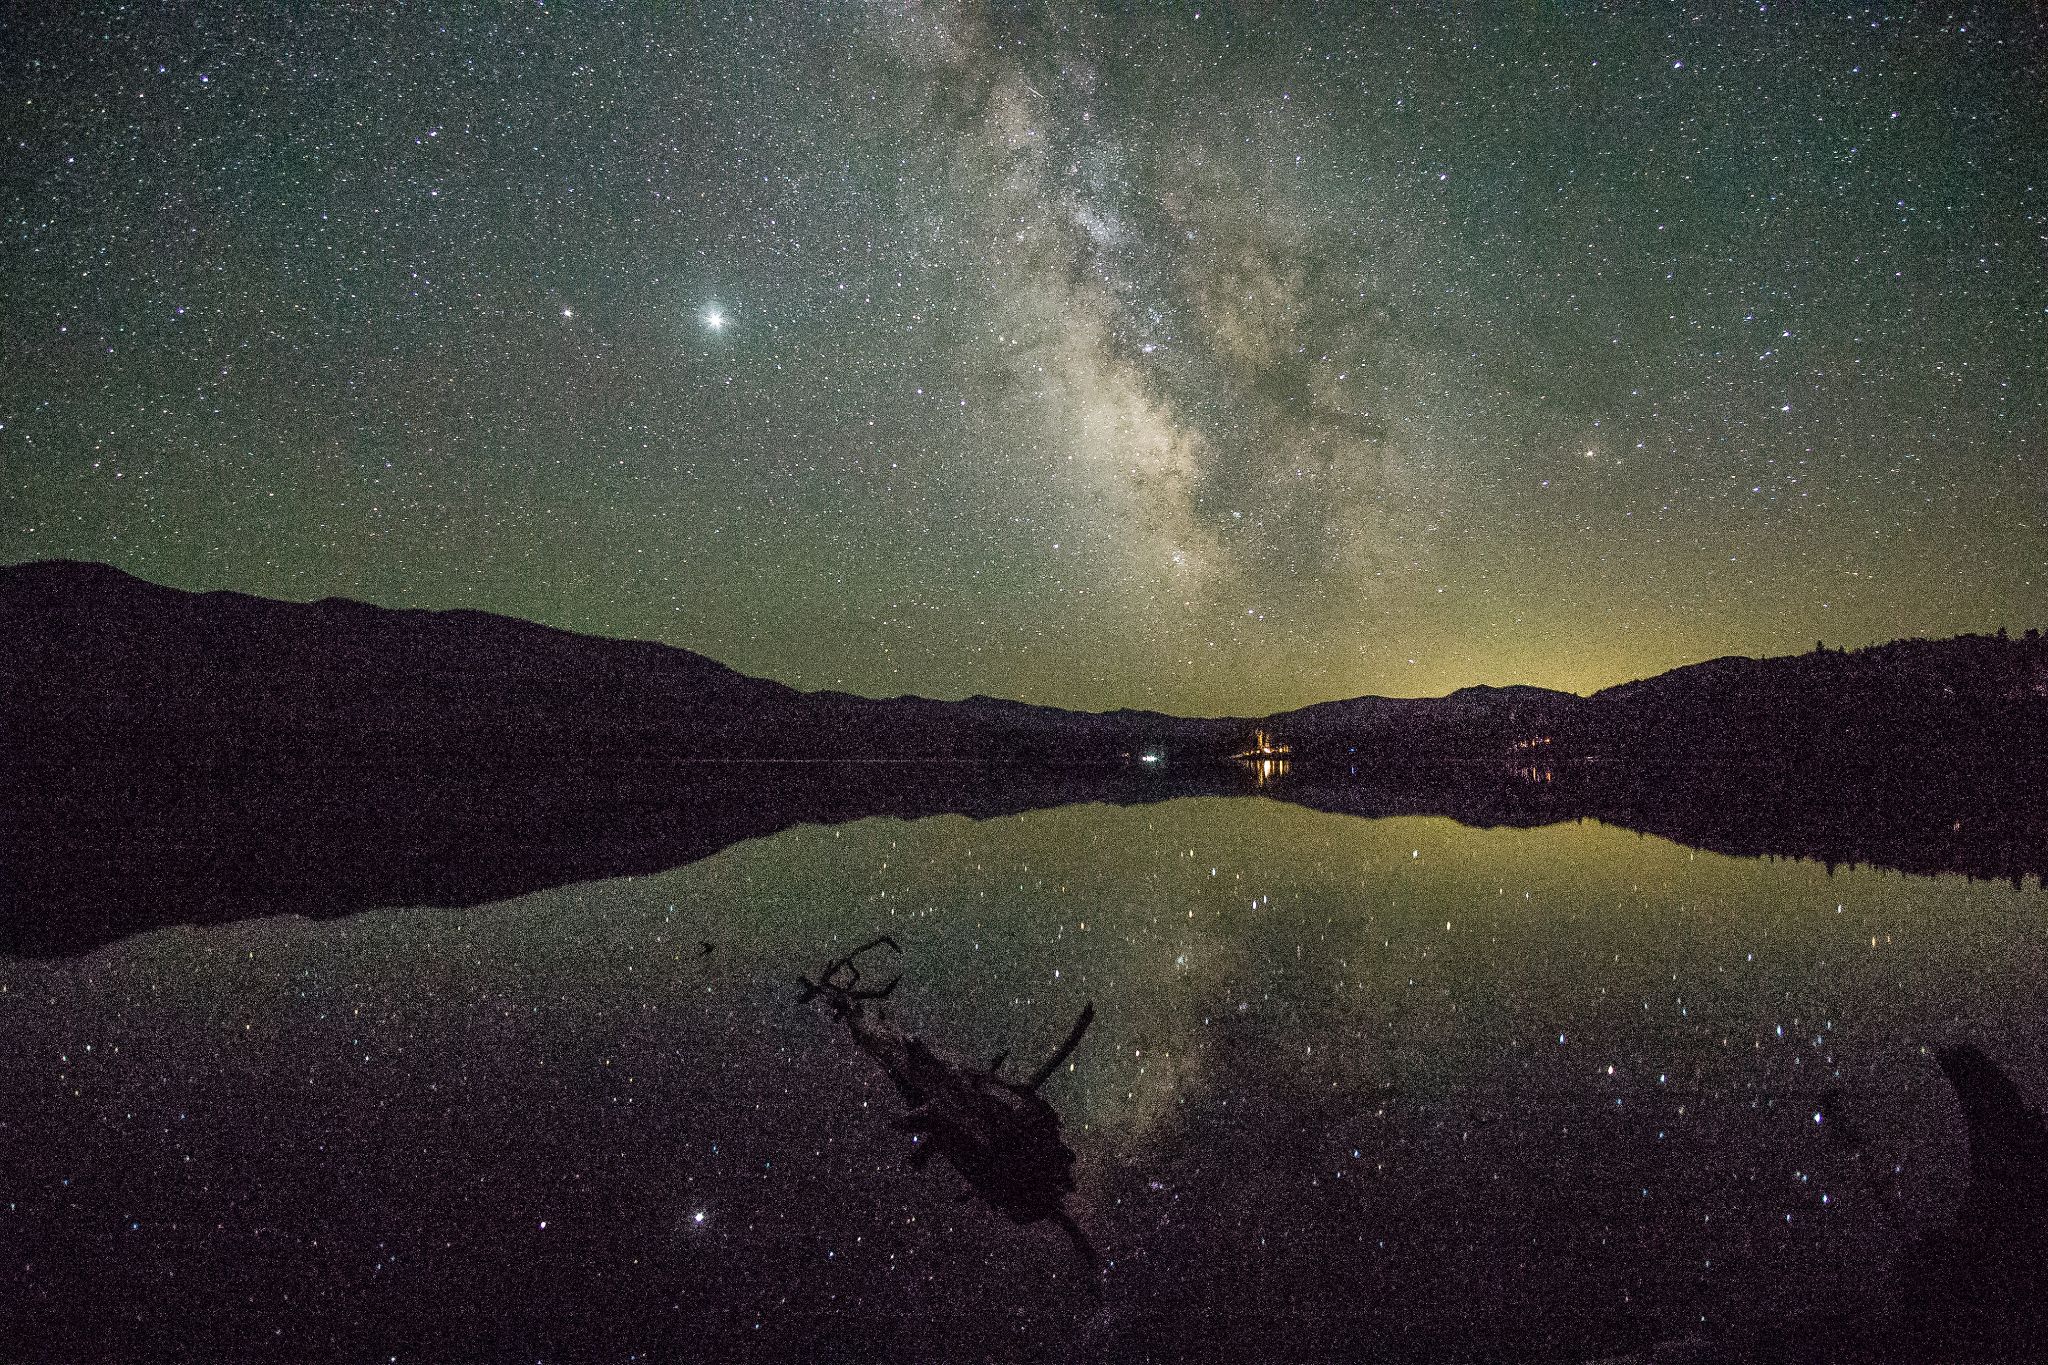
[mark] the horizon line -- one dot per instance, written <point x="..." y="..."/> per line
<point x="2001" y="631"/>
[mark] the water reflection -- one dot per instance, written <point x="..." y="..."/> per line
<point x="102" y="863"/>
<point x="1395" y="1086"/>
<point x="1000" y="1135"/>
<point x="1266" y="771"/>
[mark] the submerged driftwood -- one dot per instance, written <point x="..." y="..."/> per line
<point x="1001" y="1135"/>
<point x="1978" y="1288"/>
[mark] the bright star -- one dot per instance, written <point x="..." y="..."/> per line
<point x="714" y="319"/>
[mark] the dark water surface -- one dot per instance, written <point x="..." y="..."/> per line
<point x="1392" y="1088"/>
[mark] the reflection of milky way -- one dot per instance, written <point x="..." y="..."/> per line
<point x="1360" y="1090"/>
<point x="1216" y="363"/>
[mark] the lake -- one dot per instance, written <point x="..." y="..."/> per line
<point x="1356" y="1088"/>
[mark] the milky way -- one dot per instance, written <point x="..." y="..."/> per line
<point x="1201" y="360"/>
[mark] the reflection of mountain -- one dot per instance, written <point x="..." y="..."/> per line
<point x="179" y="757"/>
<point x="184" y="757"/>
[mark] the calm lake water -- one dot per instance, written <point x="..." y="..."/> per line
<point x="1392" y="1088"/>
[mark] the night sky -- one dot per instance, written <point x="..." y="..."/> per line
<point x="1207" y="360"/>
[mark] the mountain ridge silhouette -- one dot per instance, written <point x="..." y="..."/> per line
<point x="185" y="757"/>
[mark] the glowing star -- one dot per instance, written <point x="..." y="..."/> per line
<point x="714" y="319"/>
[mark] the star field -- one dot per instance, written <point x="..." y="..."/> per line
<point x="1194" y="359"/>
<point x="1435" y="1091"/>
